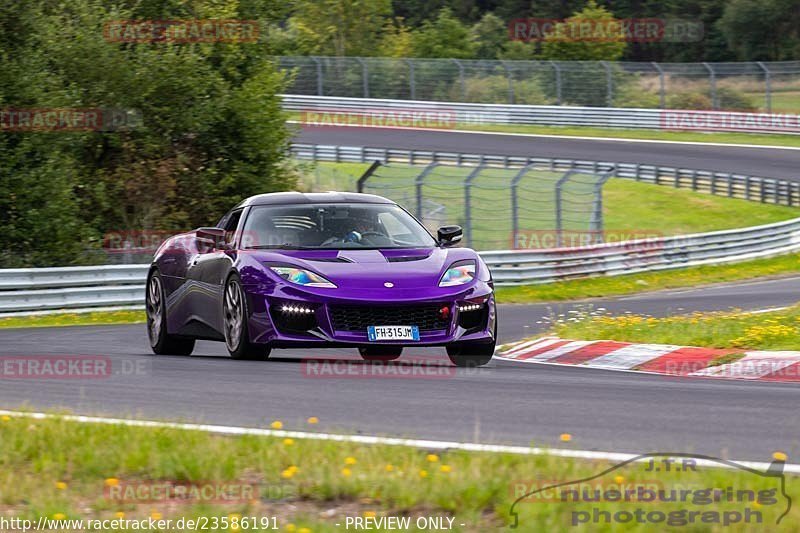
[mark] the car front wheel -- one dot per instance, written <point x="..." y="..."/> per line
<point x="234" y="316"/>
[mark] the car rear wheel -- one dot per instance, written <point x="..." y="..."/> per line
<point x="161" y="342"/>
<point x="234" y="317"/>
<point x="380" y="353"/>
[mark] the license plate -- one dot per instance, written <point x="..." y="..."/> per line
<point x="393" y="333"/>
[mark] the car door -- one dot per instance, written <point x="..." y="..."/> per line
<point x="207" y="274"/>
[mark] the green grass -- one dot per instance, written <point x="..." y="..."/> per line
<point x="656" y="135"/>
<point x="630" y="208"/>
<point x="781" y="103"/>
<point x="777" y="330"/>
<point x="97" y="318"/>
<point x="61" y="468"/>
<point x="600" y="287"/>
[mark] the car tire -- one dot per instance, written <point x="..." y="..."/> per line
<point x="380" y="353"/>
<point x="470" y="355"/>
<point x="161" y="342"/>
<point x="234" y="318"/>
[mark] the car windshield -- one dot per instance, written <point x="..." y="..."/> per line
<point x="333" y="227"/>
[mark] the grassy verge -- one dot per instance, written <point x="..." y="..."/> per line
<point x="600" y="287"/>
<point x="619" y="133"/>
<point x="66" y="470"/>
<point x="655" y="135"/>
<point x="778" y="330"/>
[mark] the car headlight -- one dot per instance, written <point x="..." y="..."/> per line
<point x="459" y="273"/>
<point x="302" y="276"/>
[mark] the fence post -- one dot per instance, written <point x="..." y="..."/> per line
<point x="320" y="91"/>
<point x="559" y="215"/>
<point x="364" y="77"/>
<point x="596" y="222"/>
<point x="411" y="82"/>
<point x="557" y="71"/>
<point x="461" y="79"/>
<point x="419" y="182"/>
<point x="365" y="176"/>
<point x="767" y="86"/>
<point x="515" y="204"/>
<point x="609" y="84"/>
<point x="468" y="202"/>
<point x="510" y="82"/>
<point x="712" y="80"/>
<point x="661" y="90"/>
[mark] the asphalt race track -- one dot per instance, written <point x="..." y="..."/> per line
<point x="506" y="402"/>
<point x="763" y="162"/>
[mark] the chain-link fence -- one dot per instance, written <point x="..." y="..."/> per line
<point x="759" y="86"/>
<point x="531" y="207"/>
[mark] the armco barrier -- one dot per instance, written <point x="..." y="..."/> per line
<point x="389" y="112"/>
<point x="87" y="287"/>
<point x="765" y="190"/>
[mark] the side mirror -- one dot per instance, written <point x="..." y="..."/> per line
<point x="210" y="238"/>
<point x="449" y="235"/>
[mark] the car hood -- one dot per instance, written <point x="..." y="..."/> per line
<point x="367" y="269"/>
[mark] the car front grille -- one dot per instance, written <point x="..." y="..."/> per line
<point x="358" y="318"/>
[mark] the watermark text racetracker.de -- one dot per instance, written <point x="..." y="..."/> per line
<point x="638" y="30"/>
<point x="182" y="31"/>
<point x="68" y="119"/>
<point x="408" y="368"/>
<point x="58" y="367"/>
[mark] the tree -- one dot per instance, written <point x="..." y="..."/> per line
<point x="490" y="35"/>
<point x="563" y="44"/>
<point x="446" y="36"/>
<point x="764" y="30"/>
<point x="342" y="27"/>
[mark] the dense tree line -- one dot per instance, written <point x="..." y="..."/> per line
<point x="734" y="30"/>
<point x="212" y="130"/>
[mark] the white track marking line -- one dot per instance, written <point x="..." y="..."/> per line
<point x="389" y="441"/>
<point x="557" y="136"/>
<point x="753" y="365"/>
<point x="561" y="350"/>
<point x="631" y="356"/>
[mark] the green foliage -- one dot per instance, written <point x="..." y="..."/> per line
<point x="565" y="49"/>
<point x="445" y="36"/>
<point x="341" y="27"/>
<point x="212" y="129"/>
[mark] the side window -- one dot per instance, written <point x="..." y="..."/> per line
<point x="230" y="227"/>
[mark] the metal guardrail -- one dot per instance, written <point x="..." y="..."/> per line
<point x="40" y="289"/>
<point x="322" y="111"/>
<point x="759" y="189"/>
<point x="90" y="287"/>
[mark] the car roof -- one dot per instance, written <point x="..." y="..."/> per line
<point x="332" y="197"/>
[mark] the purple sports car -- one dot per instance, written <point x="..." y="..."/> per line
<point x="319" y="270"/>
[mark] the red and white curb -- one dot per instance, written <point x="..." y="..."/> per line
<point x="657" y="359"/>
